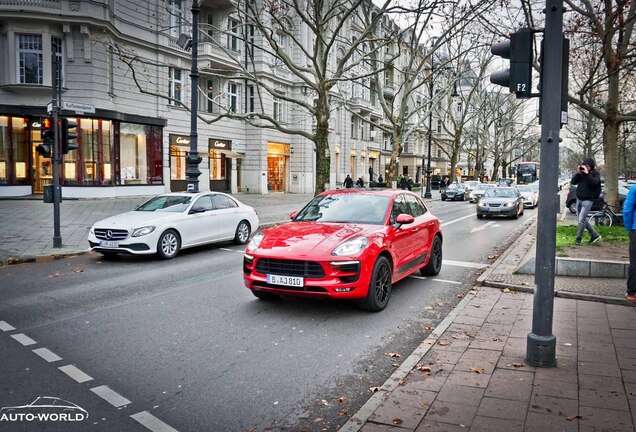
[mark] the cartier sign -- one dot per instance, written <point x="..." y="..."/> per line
<point x="216" y="144"/>
<point x="182" y="140"/>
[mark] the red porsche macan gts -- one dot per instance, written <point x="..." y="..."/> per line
<point x="346" y="244"/>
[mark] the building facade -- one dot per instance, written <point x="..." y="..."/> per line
<point x="125" y="81"/>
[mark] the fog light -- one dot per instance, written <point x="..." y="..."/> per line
<point x="339" y="290"/>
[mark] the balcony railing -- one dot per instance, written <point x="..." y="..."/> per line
<point x="49" y="4"/>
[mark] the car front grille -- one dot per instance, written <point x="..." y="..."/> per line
<point x="110" y="234"/>
<point x="307" y="269"/>
<point x="494" y="205"/>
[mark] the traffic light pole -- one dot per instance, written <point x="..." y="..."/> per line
<point x="541" y="343"/>
<point x="56" y="87"/>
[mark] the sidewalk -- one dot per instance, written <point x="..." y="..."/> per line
<point x="471" y="375"/>
<point x="27" y="224"/>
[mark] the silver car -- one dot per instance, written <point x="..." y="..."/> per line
<point x="530" y="196"/>
<point x="500" y="201"/>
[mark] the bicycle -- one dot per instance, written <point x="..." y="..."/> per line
<point x="605" y="216"/>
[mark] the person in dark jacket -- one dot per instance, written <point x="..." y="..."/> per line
<point x="629" y="219"/>
<point x="588" y="188"/>
<point x="348" y="182"/>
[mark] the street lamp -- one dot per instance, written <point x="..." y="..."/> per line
<point x="193" y="159"/>
<point x="428" y="194"/>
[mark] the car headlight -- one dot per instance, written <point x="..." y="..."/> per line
<point x="93" y="230"/>
<point x="509" y="204"/>
<point x="351" y="247"/>
<point x="138" y="232"/>
<point x="481" y="204"/>
<point x="256" y="240"/>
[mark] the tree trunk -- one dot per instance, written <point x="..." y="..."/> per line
<point x="453" y="166"/>
<point x="394" y="165"/>
<point x="323" y="156"/>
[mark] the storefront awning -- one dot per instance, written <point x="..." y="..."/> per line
<point x="231" y="154"/>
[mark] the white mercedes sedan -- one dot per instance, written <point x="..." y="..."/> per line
<point x="170" y="222"/>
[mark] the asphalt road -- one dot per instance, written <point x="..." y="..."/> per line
<point x="187" y="343"/>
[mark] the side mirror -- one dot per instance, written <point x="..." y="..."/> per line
<point x="403" y="219"/>
<point x="194" y="210"/>
<point x="293" y="215"/>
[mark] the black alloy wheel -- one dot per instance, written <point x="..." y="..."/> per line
<point x="380" y="286"/>
<point x="434" y="265"/>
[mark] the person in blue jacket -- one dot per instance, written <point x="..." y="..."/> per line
<point x="629" y="206"/>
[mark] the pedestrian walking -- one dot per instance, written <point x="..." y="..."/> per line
<point x="629" y="207"/>
<point x="348" y="182"/>
<point x="588" y="188"/>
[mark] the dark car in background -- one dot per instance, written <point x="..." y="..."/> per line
<point x="454" y="192"/>
<point x="500" y="201"/>
<point x="570" y="201"/>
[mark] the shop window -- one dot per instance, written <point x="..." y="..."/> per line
<point x="175" y="86"/>
<point x="29" y="59"/>
<point x="217" y="165"/>
<point x="177" y="162"/>
<point x="91" y="163"/>
<point x="133" y="156"/>
<point x="14" y="151"/>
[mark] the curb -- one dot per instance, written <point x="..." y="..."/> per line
<point x="5" y="262"/>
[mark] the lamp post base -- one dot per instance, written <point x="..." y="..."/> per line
<point x="541" y="350"/>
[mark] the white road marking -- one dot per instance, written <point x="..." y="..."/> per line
<point x="110" y="396"/>
<point x="151" y="422"/>
<point x="465" y="264"/>
<point x="23" y="339"/>
<point x="457" y="220"/>
<point x="487" y="225"/>
<point x="75" y="373"/>
<point x="5" y="326"/>
<point x="47" y="355"/>
<point x="232" y="250"/>
<point x="447" y="281"/>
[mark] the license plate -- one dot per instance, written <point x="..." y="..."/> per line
<point x="109" y="244"/>
<point x="294" y="281"/>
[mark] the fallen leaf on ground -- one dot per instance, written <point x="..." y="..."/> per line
<point x="318" y="420"/>
<point x="422" y="368"/>
<point x="374" y="389"/>
<point x="460" y="295"/>
<point x="395" y="365"/>
<point x="478" y="370"/>
<point x="506" y="290"/>
<point x="612" y="391"/>
<point x="492" y="256"/>
<point x="425" y="404"/>
<point x="397" y="421"/>
<point x="324" y="402"/>
<point x="57" y="275"/>
<point x="401" y="382"/>
<point x="391" y="354"/>
<point x="496" y="339"/>
<point x="476" y="306"/>
<point x="442" y="343"/>
<point x="343" y="412"/>
<point x="342" y="399"/>
<point x="79" y="270"/>
<point x="428" y="328"/>
<point x="574" y="417"/>
<point x="517" y="365"/>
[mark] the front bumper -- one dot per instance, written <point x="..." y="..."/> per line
<point x="497" y="211"/>
<point x="144" y="245"/>
<point x="350" y="281"/>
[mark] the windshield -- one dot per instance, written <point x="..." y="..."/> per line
<point x="454" y="186"/>
<point x="500" y="193"/>
<point x="481" y="187"/>
<point x="348" y="208"/>
<point x="166" y="203"/>
<point x="526" y="189"/>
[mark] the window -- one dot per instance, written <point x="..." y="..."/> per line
<point x="361" y="125"/>
<point x="415" y="206"/>
<point x="250" y="39"/>
<point x="373" y="91"/>
<point x="439" y="125"/>
<point x="134" y="151"/>
<point x="212" y="95"/>
<point x="217" y="165"/>
<point x="233" y="36"/>
<point x="205" y="202"/>
<point x="175" y="18"/>
<point x="177" y="162"/>
<point x="460" y="107"/>
<point x="278" y="106"/>
<point x="175" y="88"/>
<point x="57" y="47"/>
<point x="222" y="202"/>
<point x="251" y="96"/>
<point x="371" y="132"/>
<point x="388" y="76"/>
<point x="353" y="126"/>
<point x="283" y="42"/>
<point x="14" y="151"/>
<point x="91" y="163"/>
<point x="233" y="97"/>
<point x="29" y="61"/>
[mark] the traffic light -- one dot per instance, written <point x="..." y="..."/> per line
<point x="69" y="135"/>
<point x="518" y="78"/>
<point x="47" y="133"/>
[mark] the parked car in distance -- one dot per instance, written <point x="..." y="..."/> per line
<point x="500" y="201"/>
<point x="167" y="223"/>
<point x="507" y="182"/>
<point x="346" y="244"/>
<point x="454" y="192"/>
<point x="478" y="192"/>
<point x="530" y="197"/>
<point x="570" y="201"/>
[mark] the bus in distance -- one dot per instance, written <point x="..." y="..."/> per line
<point x="527" y="172"/>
